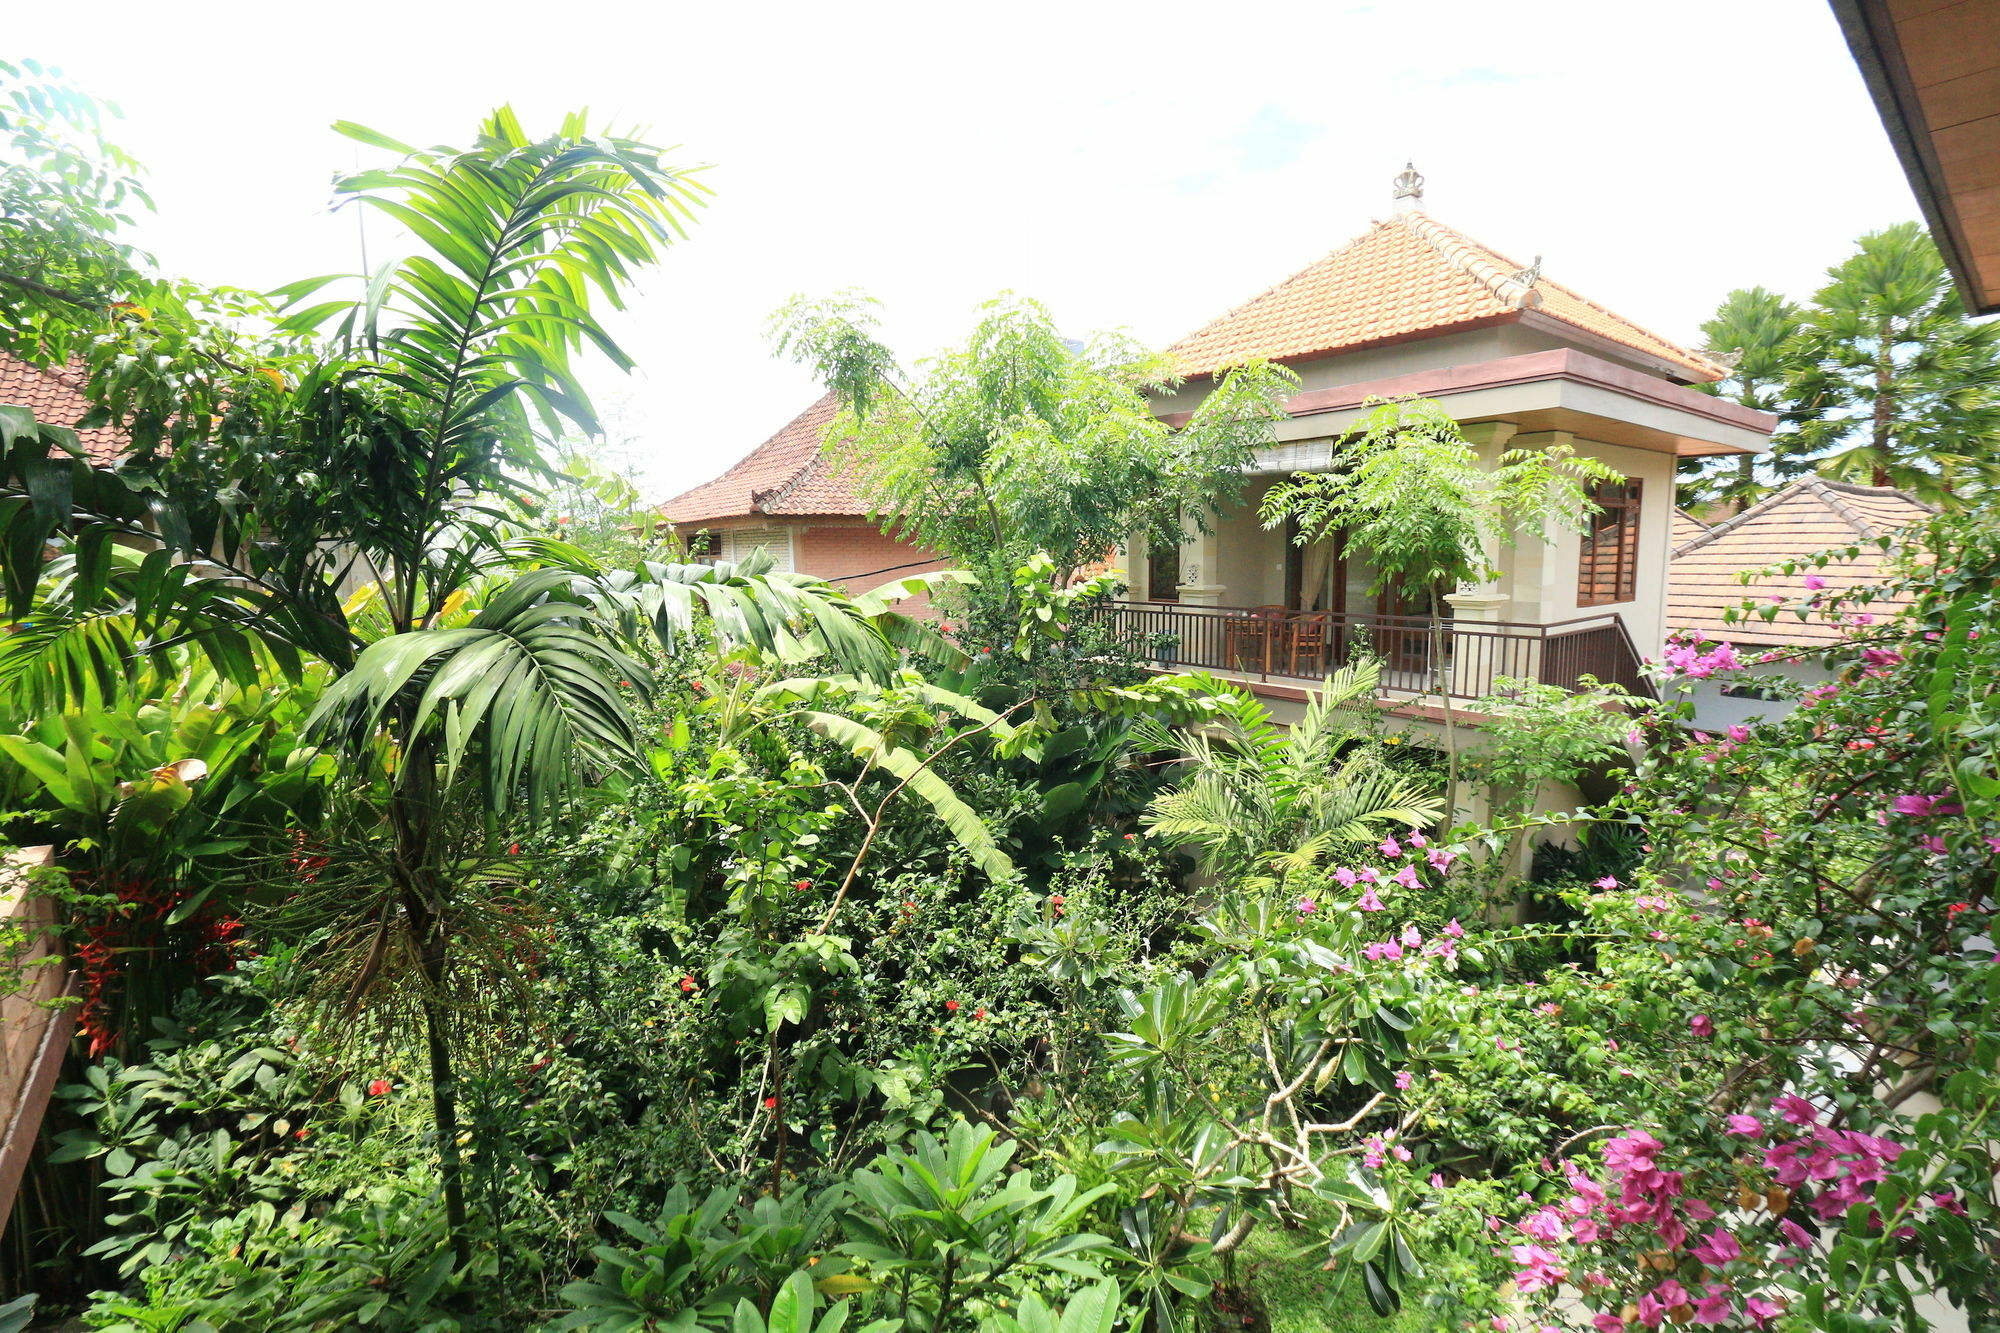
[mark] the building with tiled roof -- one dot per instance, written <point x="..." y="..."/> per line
<point x="1686" y="528"/>
<point x="1413" y="277"/>
<point x="787" y="497"/>
<point x="56" y="398"/>
<point x="1811" y="515"/>
<point x="1414" y="308"/>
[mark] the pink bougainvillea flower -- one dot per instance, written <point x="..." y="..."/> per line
<point x="379" y="1087"/>
<point x="1717" y="1248"/>
<point x="1715" y="1307"/>
<point x="1796" y="1110"/>
<point x="1917" y="807"/>
<point x="1372" y="1155"/>
<point x="1383" y="950"/>
<point x="1345" y="877"/>
<point x="1390" y="847"/>
<point x="1412" y="938"/>
<point x="1743" y="1126"/>
<point x="1370" y="875"/>
<point x="1403" y="1080"/>
<point x="1794" y="1233"/>
<point x="1702" y="1026"/>
<point x="1761" y="1311"/>
<point x="1306" y="907"/>
<point x="1814" y="583"/>
<point x="1739" y="733"/>
<point x="1407" y="877"/>
<point x="1608" y="1323"/>
<point x="1368" y="902"/>
<point x="1417" y="840"/>
<point x="1453" y="929"/>
<point x="1442" y="857"/>
<point x="1608" y="882"/>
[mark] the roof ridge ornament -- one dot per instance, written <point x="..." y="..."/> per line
<point x="1408" y="188"/>
<point x="1528" y="276"/>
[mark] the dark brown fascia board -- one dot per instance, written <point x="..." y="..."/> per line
<point x="1871" y="38"/>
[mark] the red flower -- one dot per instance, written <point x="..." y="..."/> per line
<point x="951" y="1005"/>
<point x="1951" y="912"/>
<point x="979" y="1014"/>
<point x="687" y="984"/>
<point x="770" y="1103"/>
<point x="299" y="1134"/>
<point x="379" y="1087"/>
<point x="513" y="849"/>
<point x="802" y="885"/>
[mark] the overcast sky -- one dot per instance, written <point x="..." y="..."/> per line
<point x="1144" y="166"/>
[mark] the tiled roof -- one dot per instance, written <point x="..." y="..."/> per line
<point x="1809" y="516"/>
<point x="1686" y="527"/>
<point x="1409" y="277"/>
<point x="787" y="474"/>
<point x="56" y="399"/>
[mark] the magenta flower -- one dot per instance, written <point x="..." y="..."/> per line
<point x="1761" y="1311"/>
<point x="1608" y="1323"/>
<point x="1442" y="857"/>
<point x="1917" y="807"/>
<point x="1407" y="877"/>
<point x="1715" y="1307"/>
<point x="1739" y="733"/>
<point x="1412" y="937"/>
<point x="1795" y="1110"/>
<point x="1306" y="907"/>
<point x="1814" y="583"/>
<point x="1390" y="847"/>
<point x="1702" y="1026"/>
<point x="1453" y="929"/>
<point x="1345" y="877"/>
<point x="1417" y="840"/>
<point x="1794" y="1233"/>
<point x="1744" y="1126"/>
<point x="1368" y="902"/>
<point x="1403" y="1080"/>
<point x="1717" y="1248"/>
<point x="1608" y="882"/>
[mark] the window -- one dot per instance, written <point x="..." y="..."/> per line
<point x="1609" y="568"/>
<point x="736" y="544"/>
<point x="1163" y="570"/>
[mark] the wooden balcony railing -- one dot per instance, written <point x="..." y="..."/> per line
<point x="1263" y="642"/>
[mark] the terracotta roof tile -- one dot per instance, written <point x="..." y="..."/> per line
<point x="1408" y="277"/>
<point x="56" y="398"/>
<point x="1686" y="527"/>
<point x="787" y="474"/>
<point x="1805" y="518"/>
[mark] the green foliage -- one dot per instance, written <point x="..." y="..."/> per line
<point x="1263" y="800"/>
<point x="1754" y="332"/>
<point x="944" y="1226"/>
<point x="1022" y="441"/>
<point x="1409" y="494"/>
<point x="1535" y="733"/>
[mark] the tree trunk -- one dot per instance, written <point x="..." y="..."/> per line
<point x="444" y="1107"/>
<point x="1444" y="697"/>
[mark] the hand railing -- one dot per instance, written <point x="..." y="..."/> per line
<point x="1267" y="641"/>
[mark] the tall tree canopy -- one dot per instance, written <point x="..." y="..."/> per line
<point x="1022" y="440"/>
<point x="1755" y="332"/>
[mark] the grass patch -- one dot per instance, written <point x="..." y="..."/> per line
<point x="1299" y="1296"/>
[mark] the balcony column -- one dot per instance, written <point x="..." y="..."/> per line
<point x="1473" y="660"/>
<point x="1201" y="565"/>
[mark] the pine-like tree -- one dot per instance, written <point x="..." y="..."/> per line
<point x="1754" y="332"/>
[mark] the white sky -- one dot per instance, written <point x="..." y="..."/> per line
<point x="1144" y="166"/>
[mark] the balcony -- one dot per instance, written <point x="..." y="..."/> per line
<point x="1267" y="643"/>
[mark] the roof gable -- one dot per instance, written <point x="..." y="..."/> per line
<point x="1811" y="515"/>
<point x="786" y="474"/>
<point x="1409" y="277"/>
<point x="56" y="398"/>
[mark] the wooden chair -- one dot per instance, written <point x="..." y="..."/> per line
<point x="1253" y="636"/>
<point x="1306" y="643"/>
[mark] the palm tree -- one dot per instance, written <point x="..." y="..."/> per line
<point x="1263" y="800"/>
<point x="1754" y="331"/>
<point x="1903" y="389"/>
<point x="470" y="697"/>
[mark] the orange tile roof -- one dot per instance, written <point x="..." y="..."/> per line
<point x="1807" y="517"/>
<point x="56" y="398"/>
<point x="1686" y="527"/>
<point x="787" y="474"/>
<point x="1409" y="277"/>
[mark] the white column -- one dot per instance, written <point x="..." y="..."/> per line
<point x="1201" y="565"/>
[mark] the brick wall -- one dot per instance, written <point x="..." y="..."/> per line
<point x="848" y="552"/>
<point x="859" y="557"/>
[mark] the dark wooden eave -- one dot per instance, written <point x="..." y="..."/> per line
<point x="1933" y="68"/>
